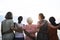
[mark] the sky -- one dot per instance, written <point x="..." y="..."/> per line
<point x="30" y="8"/>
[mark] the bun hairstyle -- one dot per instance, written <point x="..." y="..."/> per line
<point x="42" y="16"/>
<point x="52" y="19"/>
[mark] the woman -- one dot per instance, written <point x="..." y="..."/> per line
<point x="53" y="31"/>
<point x="18" y="29"/>
<point x="43" y="28"/>
<point x="7" y="33"/>
<point x="30" y="29"/>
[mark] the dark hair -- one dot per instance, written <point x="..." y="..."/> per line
<point x="52" y="21"/>
<point x="42" y="16"/>
<point x="9" y="15"/>
<point x="20" y="18"/>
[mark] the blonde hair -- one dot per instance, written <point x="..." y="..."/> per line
<point x="29" y="20"/>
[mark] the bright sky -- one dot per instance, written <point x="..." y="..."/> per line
<point x="31" y="8"/>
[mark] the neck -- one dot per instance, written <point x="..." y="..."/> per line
<point x="19" y="21"/>
<point x="41" y="20"/>
<point x="30" y="23"/>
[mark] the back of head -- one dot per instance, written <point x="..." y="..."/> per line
<point x="20" y="18"/>
<point x="9" y="15"/>
<point x="29" y="20"/>
<point x="42" y="16"/>
<point x="52" y="20"/>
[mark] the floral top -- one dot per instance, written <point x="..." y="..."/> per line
<point x="30" y="29"/>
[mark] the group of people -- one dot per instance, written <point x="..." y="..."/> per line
<point x="45" y="30"/>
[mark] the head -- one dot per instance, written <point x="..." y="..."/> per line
<point x="41" y="16"/>
<point x="52" y="20"/>
<point x="20" y="18"/>
<point x="9" y="15"/>
<point x="29" y="20"/>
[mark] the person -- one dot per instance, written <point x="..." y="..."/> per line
<point x="52" y="21"/>
<point x="7" y="33"/>
<point x="43" y="26"/>
<point x="42" y="33"/>
<point x="30" y="29"/>
<point x="53" y="31"/>
<point x="18" y="29"/>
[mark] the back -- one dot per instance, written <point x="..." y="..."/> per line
<point x="6" y="25"/>
<point x="44" y="27"/>
<point x="43" y="31"/>
<point x="19" y="34"/>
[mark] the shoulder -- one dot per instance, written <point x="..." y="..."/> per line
<point x="9" y="21"/>
<point x="3" y="20"/>
<point x="45" y="21"/>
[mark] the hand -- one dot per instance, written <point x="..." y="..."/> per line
<point x="59" y="25"/>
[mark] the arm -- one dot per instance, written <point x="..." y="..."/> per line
<point x="59" y="26"/>
<point x="28" y="34"/>
<point x="17" y="28"/>
<point x="55" y="27"/>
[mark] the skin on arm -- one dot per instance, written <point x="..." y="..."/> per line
<point x="14" y="27"/>
<point x="55" y="27"/>
<point x="18" y="28"/>
<point x="59" y="26"/>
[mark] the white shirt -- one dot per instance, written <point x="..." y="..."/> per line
<point x="17" y="34"/>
